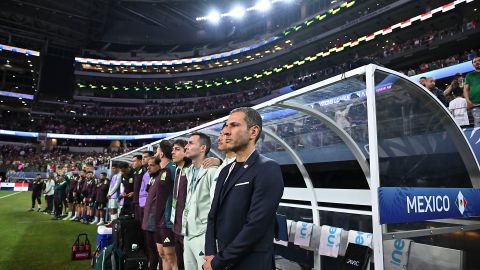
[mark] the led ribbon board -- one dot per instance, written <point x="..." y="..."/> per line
<point x="19" y="50"/>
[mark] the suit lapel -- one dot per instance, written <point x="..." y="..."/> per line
<point x="232" y="181"/>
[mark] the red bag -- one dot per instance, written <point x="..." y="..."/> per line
<point x="81" y="250"/>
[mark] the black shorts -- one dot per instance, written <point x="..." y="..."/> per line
<point x="101" y="206"/>
<point x="91" y="203"/>
<point x="78" y="199"/>
<point x="165" y="237"/>
<point x="70" y="198"/>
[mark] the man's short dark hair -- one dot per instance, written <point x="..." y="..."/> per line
<point x="123" y="165"/>
<point x="423" y="78"/>
<point x="138" y="157"/>
<point x="156" y="160"/>
<point x="166" y="148"/>
<point x="114" y="165"/>
<point x="204" y="140"/>
<point x="104" y="173"/>
<point x="180" y="142"/>
<point x="149" y="153"/>
<point x="252" y="117"/>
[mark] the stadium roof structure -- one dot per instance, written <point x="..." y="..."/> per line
<point x="400" y="135"/>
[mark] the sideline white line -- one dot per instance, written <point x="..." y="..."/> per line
<point x="10" y="195"/>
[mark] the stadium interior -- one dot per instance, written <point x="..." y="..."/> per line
<point x="90" y="84"/>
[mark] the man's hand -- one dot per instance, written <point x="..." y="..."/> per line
<point x="130" y="195"/>
<point x="108" y="197"/>
<point x="207" y="265"/>
<point x="469" y="104"/>
<point x="210" y="162"/>
<point x="123" y="194"/>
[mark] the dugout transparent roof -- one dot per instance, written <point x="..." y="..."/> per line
<point x="329" y="121"/>
<point x="419" y="144"/>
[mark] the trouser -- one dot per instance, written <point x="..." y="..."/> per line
<point x="36" y="197"/>
<point x="58" y="205"/>
<point x="152" y="253"/>
<point x="194" y="251"/>
<point x="179" y="251"/>
<point x="65" y="204"/>
<point x="139" y="218"/>
<point x="138" y="212"/>
<point x="50" y="203"/>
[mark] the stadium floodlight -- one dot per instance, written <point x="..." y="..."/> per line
<point x="237" y="12"/>
<point x="263" y="5"/>
<point x="213" y="16"/>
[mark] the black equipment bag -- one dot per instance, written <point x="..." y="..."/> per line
<point x="130" y="260"/>
<point x="126" y="232"/>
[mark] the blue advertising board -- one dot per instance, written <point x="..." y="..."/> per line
<point x="404" y="204"/>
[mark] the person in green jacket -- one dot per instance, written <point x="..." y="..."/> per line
<point x="198" y="202"/>
<point x="59" y="196"/>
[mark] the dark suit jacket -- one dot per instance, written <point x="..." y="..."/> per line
<point x="242" y="221"/>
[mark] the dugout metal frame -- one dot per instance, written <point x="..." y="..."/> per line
<point x="367" y="157"/>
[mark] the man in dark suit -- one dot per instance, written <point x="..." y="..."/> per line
<point x="241" y="221"/>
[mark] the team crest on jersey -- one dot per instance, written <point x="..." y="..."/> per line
<point x="130" y="180"/>
<point x="164" y="176"/>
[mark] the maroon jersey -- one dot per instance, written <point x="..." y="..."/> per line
<point x="164" y="198"/>
<point x="73" y="185"/>
<point x="84" y="188"/>
<point x="179" y="198"/>
<point x="127" y="182"/>
<point x="92" y="189"/>
<point x="149" y="210"/>
<point x="102" y="190"/>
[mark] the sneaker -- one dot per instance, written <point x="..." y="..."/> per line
<point x="73" y="218"/>
<point x="100" y="223"/>
<point x="30" y="210"/>
<point x="38" y="210"/>
<point x="66" y="218"/>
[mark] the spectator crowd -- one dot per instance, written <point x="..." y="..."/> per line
<point x="15" y="158"/>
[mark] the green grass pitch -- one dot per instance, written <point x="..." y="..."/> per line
<point x="31" y="240"/>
